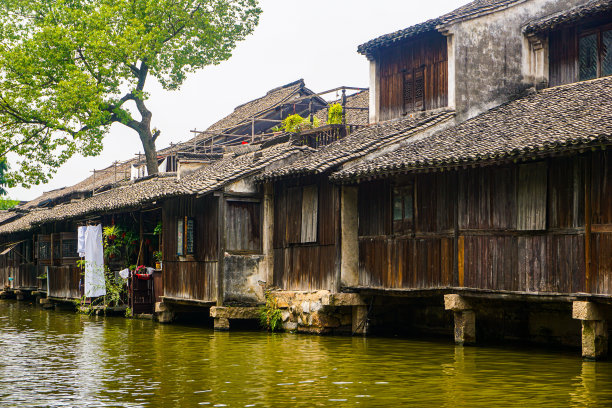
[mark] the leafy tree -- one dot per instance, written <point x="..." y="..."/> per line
<point x="3" y="169"/>
<point x="69" y="69"/>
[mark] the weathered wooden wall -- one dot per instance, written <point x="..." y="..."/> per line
<point x="304" y="260"/>
<point x="427" y="54"/>
<point x="563" y="56"/>
<point x="191" y="277"/>
<point x="64" y="281"/>
<point x="526" y="228"/>
<point x="420" y="255"/>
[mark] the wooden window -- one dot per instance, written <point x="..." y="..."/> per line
<point x="44" y="249"/>
<point x="185" y="244"/>
<point x="532" y="193"/>
<point x="310" y="210"/>
<point x="403" y="208"/>
<point x="595" y="53"/>
<point x="69" y="248"/>
<point x="243" y="223"/>
<point x="414" y="90"/>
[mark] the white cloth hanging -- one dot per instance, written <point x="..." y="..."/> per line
<point x="81" y="241"/>
<point x="124" y="273"/>
<point x="94" y="262"/>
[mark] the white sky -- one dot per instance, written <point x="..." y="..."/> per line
<point x="316" y="40"/>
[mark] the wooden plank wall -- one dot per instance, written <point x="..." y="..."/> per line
<point x="428" y="52"/>
<point x="508" y="237"/>
<point x="600" y="279"/>
<point x="243" y="226"/>
<point x="64" y="281"/>
<point x="310" y="265"/>
<point x="193" y="277"/>
<point x="563" y="56"/>
<point x="25" y="277"/>
<point x="422" y="258"/>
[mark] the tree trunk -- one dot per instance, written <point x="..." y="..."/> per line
<point x="148" y="144"/>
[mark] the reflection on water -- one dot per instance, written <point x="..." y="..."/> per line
<point x="52" y="358"/>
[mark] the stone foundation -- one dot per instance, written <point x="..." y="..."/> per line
<point x="318" y="312"/>
<point x="163" y="312"/>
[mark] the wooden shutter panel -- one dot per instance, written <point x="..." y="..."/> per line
<point x="310" y="209"/>
<point x="408" y="92"/>
<point x="531" y="211"/>
<point x="419" y="89"/>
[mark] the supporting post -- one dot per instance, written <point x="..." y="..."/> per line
<point x="349" y="242"/>
<point x="221" y="247"/>
<point x="163" y="312"/>
<point x="221" y="324"/>
<point x="594" y="330"/>
<point x="360" y="324"/>
<point x="465" y="319"/>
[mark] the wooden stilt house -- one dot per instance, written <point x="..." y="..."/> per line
<point x="517" y="199"/>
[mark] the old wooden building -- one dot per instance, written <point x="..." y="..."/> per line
<point x="514" y="201"/>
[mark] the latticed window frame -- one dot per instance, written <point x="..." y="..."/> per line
<point x="603" y="58"/>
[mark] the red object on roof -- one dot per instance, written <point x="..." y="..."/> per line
<point x="244" y="142"/>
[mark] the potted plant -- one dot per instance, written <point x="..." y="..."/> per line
<point x="158" y="259"/>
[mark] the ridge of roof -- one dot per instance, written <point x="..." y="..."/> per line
<point x="470" y="10"/>
<point x="563" y="17"/>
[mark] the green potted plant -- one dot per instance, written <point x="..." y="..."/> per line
<point x="158" y="259"/>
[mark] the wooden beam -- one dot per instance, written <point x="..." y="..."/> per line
<point x="587" y="225"/>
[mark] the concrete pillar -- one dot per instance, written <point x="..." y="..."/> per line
<point x="374" y="104"/>
<point x="221" y="324"/>
<point x="163" y="312"/>
<point x="465" y="318"/>
<point x="360" y="324"/>
<point x="349" y="221"/>
<point x="268" y="234"/>
<point x="594" y="330"/>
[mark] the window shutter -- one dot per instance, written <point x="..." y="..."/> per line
<point x="419" y="89"/>
<point x="310" y="209"/>
<point x="408" y="92"/>
<point x="532" y="190"/>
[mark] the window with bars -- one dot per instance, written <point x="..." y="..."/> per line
<point x="44" y="250"/>
<point x="69" y="248"/>
<point x="595" y="54"/>
<point x="185" y="238"/>
<point x="414" y="90"/>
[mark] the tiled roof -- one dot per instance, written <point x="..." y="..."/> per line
<point x="467" y="11"/>
<point x="233" y="166"/>
<point x="592" y="8"/>
<point x="236" y="166"/>
<point x="130" y="195"/>
<point x="353" y="116"/>
<point x="360" y="143"/>
<point x="273" y="98"/>
<point x="578" y="114"/>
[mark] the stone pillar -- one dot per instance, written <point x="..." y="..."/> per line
<point x="360" y="324"/>
<point x="349" y="242"/>
<point x="163" y="312"/>
<point x="46" y="303"/>
<point x="221" y="324"/>
<point x="594" y="330"/>
<point x="465" y="318"/>
<point x="374" y="91"/>
<point x="268" y="234"/>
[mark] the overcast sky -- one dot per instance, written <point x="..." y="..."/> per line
<point x="315" y="40"/>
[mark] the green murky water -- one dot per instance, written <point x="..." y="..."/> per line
<point x="53" y="358"/>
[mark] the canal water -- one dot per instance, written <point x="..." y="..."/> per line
<point x="62" y="359"/>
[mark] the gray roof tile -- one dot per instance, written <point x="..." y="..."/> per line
<point x="578" y="114"/>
